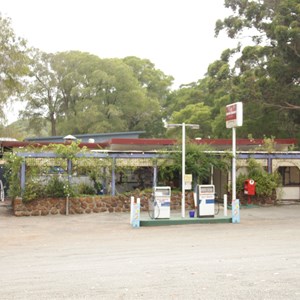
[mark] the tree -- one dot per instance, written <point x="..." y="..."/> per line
<point x="13" y="63"/>
<point x="157" y="86"/>
<point x="153" y="80"/>
<point x="194" y="114"/>
<point x="268" y="72"/>
<point x="78" y="92"/>
<point x="178" y="99"/>
<point x="43" y="95"/>
<point x="112" y="100"/>
<point x="202" y="102"/>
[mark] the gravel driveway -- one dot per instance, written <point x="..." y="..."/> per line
<point x="99" y="256"/>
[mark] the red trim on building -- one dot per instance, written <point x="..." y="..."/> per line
<point x="219" y="142"/>
<point x="223" y="142"/>
<point x="141" y="141"/>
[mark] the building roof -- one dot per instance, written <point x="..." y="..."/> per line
<point x="142" y="144"/>
<point x="85" y="138"/>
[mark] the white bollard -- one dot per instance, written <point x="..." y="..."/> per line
<point x="136" y="213"/>
<point x="195" y="199"/>
<point x="131" y="208"/>
<point x="225" y="205"/>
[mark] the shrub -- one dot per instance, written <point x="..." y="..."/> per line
<point x="33" y="191"/>
<point x="58" y="188"/>
<point x="265" y="183"/>
<point x="85" y="189"/>
<point x="55" y="187"/>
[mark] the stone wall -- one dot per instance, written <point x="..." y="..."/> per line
<point x="91" y="204"/>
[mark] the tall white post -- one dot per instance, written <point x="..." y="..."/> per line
<point x="183" y="173"/>
<point x="183" y="125"/>
<point x="233" y="179"/>
<point x="225" y="205"/>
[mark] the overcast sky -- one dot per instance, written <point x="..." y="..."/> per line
<point x="176" y="35"/>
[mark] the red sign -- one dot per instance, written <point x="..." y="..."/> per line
<point x="234" y="115"/>
<point x="231" y="112"/>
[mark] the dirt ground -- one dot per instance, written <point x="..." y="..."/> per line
<point x="100" y="256"/>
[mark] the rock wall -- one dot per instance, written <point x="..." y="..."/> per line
<point x="91" y="204"/>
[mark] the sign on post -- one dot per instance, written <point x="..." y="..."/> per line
<point x="188" y="179"/>
<point x="234" y="118"/>
<point x="234" y="115"/>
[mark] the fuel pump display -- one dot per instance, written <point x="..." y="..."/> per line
<point x="206" y="200"/>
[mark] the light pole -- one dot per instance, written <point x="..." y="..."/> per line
<point x="183" y="125"/>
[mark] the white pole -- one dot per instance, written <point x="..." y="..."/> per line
<point x="1" y="191"/>
<point x="67" y="205"/>
<point x="131" y="208"/>
<point x="233" y="179"/>
<point x="183" y="172"/>
<point x="225" y="205"/>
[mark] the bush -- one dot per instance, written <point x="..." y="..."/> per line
<point x="266" y="183"/>
<point x="55" y="187"/>
<point x="58" y="188"/>
<point x="33" y="191"/>
<point x="85" y="189"/>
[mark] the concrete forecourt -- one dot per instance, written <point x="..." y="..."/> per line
<point x="100" y="256"/>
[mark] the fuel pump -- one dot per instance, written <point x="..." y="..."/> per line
<point x="206" y="200"/>
<point x="162" y="202"/>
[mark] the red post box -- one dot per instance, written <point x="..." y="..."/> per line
<point x="249" y="188"/>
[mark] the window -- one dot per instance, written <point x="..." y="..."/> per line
<point x="290" y="175"/>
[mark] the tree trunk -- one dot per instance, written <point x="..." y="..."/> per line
<point x="53" y="125"/>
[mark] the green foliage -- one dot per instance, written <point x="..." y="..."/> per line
<point x="96" y="175"/>
<point x="77" y="92"/>
<point x="267" y="73"/>
<point x="266" y="183"/>
<point x="68" y="151"/>
<point x="269" y="144"/>
<point x="85" y="189"/>
<point x="58" y="187"/>
<point x="55" y="187"/>
<point x="12" y="169"/>
<point x="34" y="190"/>
<point x="193" y="114"/>
<point x="13" y="63"/>
<point x="19" y="130"/>
<point x="198" y="162"/>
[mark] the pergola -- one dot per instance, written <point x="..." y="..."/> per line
<point x="96" y="155"/>
<point x="270" y="158"/>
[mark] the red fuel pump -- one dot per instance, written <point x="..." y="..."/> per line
<point x="249" y="188"/>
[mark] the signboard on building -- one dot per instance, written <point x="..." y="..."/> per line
<point x="234" y="115"/>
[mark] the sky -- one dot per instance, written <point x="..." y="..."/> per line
<point x="176" y="35"/>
